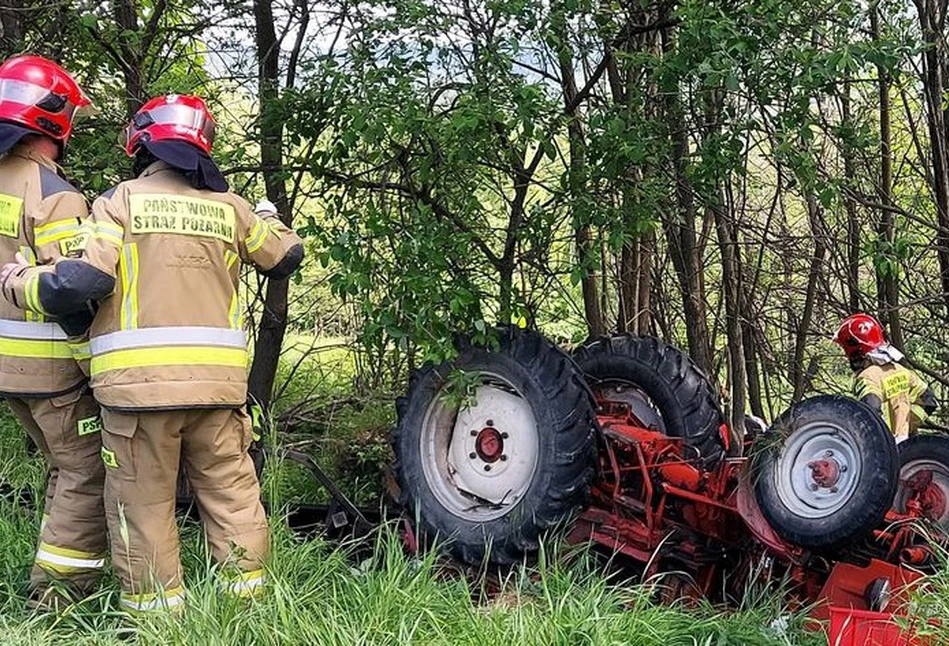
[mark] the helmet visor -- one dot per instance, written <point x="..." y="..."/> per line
<point x="24" y="93"/>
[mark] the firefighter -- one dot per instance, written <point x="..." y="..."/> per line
<point x="903" y="399"/>
<point x="169" y="351"/>
<point x="40" y="217"/>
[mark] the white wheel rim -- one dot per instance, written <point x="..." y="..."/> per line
<point x="806" y="494"/>
<point x="940" y="479"/>
<point x="480" y="461"/>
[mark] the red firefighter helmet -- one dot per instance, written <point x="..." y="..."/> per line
<point x="175" y="117"/>
<point x="858" y="334"/>
<point x="39" y="94"/>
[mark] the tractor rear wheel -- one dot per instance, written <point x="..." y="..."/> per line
<point x="495" y="447"/>
<point x="924" y="478"/>
<point x="663" y="388"/>
<point x="826" y="473"/>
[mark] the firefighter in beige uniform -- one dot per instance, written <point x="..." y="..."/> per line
<point x="40" y="216"/>
<point x="169" y="353"/>
<point x="903" y="399"/>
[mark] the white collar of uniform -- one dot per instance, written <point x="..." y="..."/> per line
<point x="885" y="354"/>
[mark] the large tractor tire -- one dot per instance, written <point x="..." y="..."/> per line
<point x="826" y="474"/>
<point x="663" y="388"/>
<point x="495" y="447"/>
<point x="924" y="478"/>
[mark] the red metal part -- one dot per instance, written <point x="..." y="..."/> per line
<point x="657" y="504"/>
<point x="849" y="627"/>
<point x="918" y="556"/>
<point x="489" y="444"/>
<point x="927" y="499"/>
<point x="751" y="513"/>
<point x="825" y="473"/>
<point x="847" y="585"/>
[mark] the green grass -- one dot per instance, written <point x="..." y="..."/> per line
<point x="321" y="594"/>
<point x="330" y="594"/>
<point x="346" y="433"/>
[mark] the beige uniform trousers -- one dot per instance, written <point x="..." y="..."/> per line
<point x="142" y="453"/>
<point x="73" y="537"/>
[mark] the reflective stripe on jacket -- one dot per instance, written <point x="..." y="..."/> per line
<point x="40" y="218"/>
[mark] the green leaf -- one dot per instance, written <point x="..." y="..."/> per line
<point x="550" y="149"/>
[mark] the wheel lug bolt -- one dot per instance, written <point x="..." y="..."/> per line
<point x="474" y="433"/>
<point x="487" y="467"/>
<point x="490" y="422"/>
<point x="503" y="458"/>
<point x="503" y="436"/>
<point x="829" y="454"/>
<point x="814" y="486"/>
<point x="833" y="490"/>
<point x="472" y="455"/>
<point x="843" y="468"/>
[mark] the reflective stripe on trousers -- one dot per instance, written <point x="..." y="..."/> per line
<point x="153" y="601"/>
<point x="168" y="346"/>
<point x="247" y="584"/>
<point x="33" y="339"/>
<point x="65" y="560"/>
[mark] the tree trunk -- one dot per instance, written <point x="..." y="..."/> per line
<point x="722" y="213"/>
<point x="731" y="286"/>
<point x="680" y="226"/>
<point x="628" y="287"/>
<point x="11" y="22"/>
<point x="577" y="175"/>
<point x="635" y="285"/>
<point x="273" y="322"/>
<point x="934" y="59"/>
<point x="752" y="371"/>
<point x="850" y="205"/>
<point x="887" y="281"/>
<point x="126" y="17"/>
<point x="647" y="251"/>
<point x="798" y="374"/>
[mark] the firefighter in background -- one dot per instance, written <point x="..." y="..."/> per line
<point x="169" y="351"/>
<point x="903" y="399"/>
<point x="40" y="216"/>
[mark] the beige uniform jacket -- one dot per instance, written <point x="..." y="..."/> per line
<point x="170" y="335"/>
<point x="899" y="390"/>
<point x="40" y="217"/>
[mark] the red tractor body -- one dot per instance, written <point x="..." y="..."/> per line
<point x="653" y="504"/>
<point x="625" y="439"/>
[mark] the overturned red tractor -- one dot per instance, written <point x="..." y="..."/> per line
<point x="624" y="443"/>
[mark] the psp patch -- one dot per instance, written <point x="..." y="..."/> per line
<point x="10" y="209"/>
<point x="108" y="457"/>
<point x="190" y="216"/>
<point x="74" y="246"/>
<point x="89" y="426"/>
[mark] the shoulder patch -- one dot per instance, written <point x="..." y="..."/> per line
<point x="51" y="183"/>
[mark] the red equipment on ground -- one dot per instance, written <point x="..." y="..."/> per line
<point x="627" y="441"/>
<point x="654" y="505"/>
